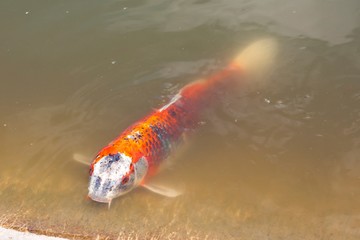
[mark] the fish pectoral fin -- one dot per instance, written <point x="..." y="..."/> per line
<point x="162" y="190"/>
<point x="81" y="159"/>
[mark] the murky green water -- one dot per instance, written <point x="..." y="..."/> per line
<point x="278" y="162"/>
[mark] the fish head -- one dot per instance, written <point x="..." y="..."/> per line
<point x="111" y="175"/>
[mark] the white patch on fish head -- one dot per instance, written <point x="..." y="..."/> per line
<point x="113" y="175"/>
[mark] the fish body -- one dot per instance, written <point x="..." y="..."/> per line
<point x="137" y="154"/>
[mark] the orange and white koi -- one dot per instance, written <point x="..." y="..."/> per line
<point x="136" y="155"/>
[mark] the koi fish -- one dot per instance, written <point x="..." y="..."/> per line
<point x="138" y="153"/>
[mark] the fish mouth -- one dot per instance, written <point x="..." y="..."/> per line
<point x="99" y="199"/>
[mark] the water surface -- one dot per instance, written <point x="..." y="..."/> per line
<point x="279" y="161"/>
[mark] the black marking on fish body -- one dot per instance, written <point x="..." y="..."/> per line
<point x="163" y="145"/>
<point x="172" y="113"/>
<point x="106" y="187"/>
<point x="97" y="183"/>
<point x="112" y="158"/>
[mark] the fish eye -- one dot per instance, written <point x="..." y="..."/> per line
<point x="125" y="180"/>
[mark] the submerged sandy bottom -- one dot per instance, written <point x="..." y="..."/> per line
<point x="10" y="234"/>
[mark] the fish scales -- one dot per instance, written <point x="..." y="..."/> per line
<point x="158" y="134"/>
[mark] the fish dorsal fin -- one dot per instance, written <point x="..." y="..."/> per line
<point x="162" y="190"/>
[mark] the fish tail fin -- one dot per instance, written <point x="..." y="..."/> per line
<point x="253" y="62"/>
<point x="256" y="59"/>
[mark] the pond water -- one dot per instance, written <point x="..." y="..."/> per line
<point x="280" y="161"/>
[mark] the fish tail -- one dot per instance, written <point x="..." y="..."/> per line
<point x="252" y="62"/>
<point x="257" y="59"/>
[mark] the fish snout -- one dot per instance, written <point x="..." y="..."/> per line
<point x="101" y="199"/>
